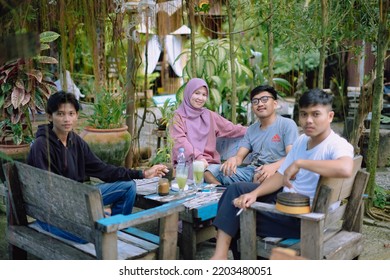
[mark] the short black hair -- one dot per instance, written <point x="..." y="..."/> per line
<point x="266" y="88"/>
<point x="61" y="97"/>
<point x="314" y="97"/>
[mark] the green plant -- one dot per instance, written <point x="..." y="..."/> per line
<point x="167" y="111"/>
<point x="24" y="90"/>
<point x="164" y="153"/>
<point x="140" y="80"/>
<point x="381" y="197"/>
<point x="109" y="111"/>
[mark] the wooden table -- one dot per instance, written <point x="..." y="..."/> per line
<point x="196" y="219"/>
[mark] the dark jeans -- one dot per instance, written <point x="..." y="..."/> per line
<point x="268" y="224"/>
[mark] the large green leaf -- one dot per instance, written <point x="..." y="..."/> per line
<point x="282" y="82"/>
<point x="44" y="47"/>
<point x="216" y="97"/>
<point x="46" y="60"/>
<point x="48" y="36"/>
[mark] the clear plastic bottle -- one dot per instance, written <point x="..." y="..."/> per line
<point x="181" y="158"/>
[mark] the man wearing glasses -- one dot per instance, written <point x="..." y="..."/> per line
<point x="270" y="139"/>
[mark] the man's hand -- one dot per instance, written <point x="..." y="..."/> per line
<point x="229" y="167"/>
<point x="263" y="172"/>
<point x="157" y="170"/>
<point x="289" y="174"/>
<point x="245" y="200"/>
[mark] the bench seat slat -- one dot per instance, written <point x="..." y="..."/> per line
<point x="129" y="247"/>
<point x="143" y="234"/>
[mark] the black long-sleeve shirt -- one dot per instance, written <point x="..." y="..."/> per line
<point x="76" y="161"/>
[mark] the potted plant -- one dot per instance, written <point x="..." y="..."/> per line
<point x="25" y="87"/>
<point x="166" y="110"/>
<point x="164" y="156"/>
<point x="106" y="132"/>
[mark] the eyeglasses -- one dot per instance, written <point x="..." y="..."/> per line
<point x="263" y="99"/>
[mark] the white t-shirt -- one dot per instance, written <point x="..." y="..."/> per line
<point x="333" y="147"/>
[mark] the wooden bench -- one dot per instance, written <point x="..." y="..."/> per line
<point x="325" y="234"/>
<point x="77" y="208"/>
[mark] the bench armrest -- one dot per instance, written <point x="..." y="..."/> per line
<point x="119" y="222"/>
<point x="266" y="207"/>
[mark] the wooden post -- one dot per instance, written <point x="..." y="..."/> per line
<point x="248" y="237"/>
<point x="168" y="237"/>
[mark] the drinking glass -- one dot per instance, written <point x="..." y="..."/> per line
<point x="181" y="177"/>
<point x="198" y="173"/>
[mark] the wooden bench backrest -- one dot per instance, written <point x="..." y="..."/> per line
<point x="349" y="191"/>
<point x="54" y="199"/>
<point x="339" y="188"/>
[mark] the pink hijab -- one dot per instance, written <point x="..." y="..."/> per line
<point x="197" y="120"/>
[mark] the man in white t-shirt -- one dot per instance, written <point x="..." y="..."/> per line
<point x="317" y="152"/>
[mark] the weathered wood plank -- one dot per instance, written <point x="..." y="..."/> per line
<point x="53" y="199"/>
<point x="188" y="240"/>
<point x="248" y="235"/>
<point x="322" y="200"/>
<point x="150" y="237"/>
<point x="168" y="237"/>
<point x="17" y="214"/>
<point x="119" y="222"/>
<point x="206" y="212"/>
<point x="205" y="233"/>
<point x="344" y="245"/>
<point x="355" y="200"/>
<point x="43" y="246"/>
<point x="260" y="206"/>
<point x="312" y="238"/>
<point x="335" y="216"/>
<point x="348" y="183"/>
<point x="128" y="247"/>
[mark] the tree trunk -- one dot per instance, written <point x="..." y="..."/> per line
<point x="232" y="63"/>
<point x="190" y="6"/>
<point x="100" y="74"/>
<point x="130" y="90"/>
<point x="324" y="25"/>
<point x="373" y="143"/>
<point x="364" y="107"/>
<point x="270" y="47"/>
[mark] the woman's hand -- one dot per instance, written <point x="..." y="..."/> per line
<point x="205" y="163"/>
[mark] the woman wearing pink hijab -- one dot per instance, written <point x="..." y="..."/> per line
<point x="196" y="128"/>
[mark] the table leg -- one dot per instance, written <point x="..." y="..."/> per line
<point x="158" y="142"/>
<point x="188" y="247"/>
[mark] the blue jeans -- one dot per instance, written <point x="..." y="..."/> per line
<point x="120" y="195"/>
<point x="243" y="174"/>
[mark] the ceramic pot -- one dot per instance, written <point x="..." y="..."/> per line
<point x="16" y="152"/>
<point x="110" y="145"/>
